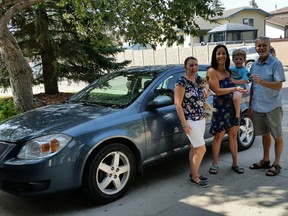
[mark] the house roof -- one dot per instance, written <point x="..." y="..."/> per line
<point x="280" y="11"/>
<point x="232" y="12"/>
<point x="230" y="27"/>
<point x="279" y="17"/>
<point x="205" y="25"/>
<point x="278" y="20"/>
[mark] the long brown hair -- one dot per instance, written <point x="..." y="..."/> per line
<point x="214" y="63"/>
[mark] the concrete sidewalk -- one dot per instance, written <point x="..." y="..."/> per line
<point x="64" y="86"/>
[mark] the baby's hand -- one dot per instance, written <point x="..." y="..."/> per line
<point x="238" y="88"/>
<point x="232" y="80"/>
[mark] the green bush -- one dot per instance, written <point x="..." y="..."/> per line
<point x="6" y="108"/>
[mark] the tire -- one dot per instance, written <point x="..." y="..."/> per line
<point x="110" y="173"/>
<point x="246" y="135"/>
<point x="248" y="65"/>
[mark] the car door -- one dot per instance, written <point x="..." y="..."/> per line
<point x="163" y="128"/>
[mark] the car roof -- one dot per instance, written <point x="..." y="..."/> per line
<point x="159" y="68"/>
<point x="241" y="47"/>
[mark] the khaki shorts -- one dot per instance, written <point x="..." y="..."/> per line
<point x="268" y="122"/>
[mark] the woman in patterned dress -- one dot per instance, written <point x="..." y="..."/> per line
<point x="223" y="118"/>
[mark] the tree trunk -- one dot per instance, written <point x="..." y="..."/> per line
<point x="19" y="70"/>
<point x="47" y="54"/>
<point x="50" y="81"/>
<point x="20" y="75"/>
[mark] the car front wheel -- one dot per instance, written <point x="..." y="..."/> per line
<point x="246" y="135"/>
<point x="110" y="173"/>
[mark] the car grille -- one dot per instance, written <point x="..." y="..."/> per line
<point x="4" y="150"/>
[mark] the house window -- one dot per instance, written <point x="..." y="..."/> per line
<point x="248" y="21"/>
<point x="286" y="33"/>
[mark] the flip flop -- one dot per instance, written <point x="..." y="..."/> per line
<point x="214" y="169"/>
<point x="238" y="169"/>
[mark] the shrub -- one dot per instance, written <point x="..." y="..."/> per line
<point x="6" y="108"/>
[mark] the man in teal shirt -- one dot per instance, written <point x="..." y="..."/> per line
<point x="266" y="104"/>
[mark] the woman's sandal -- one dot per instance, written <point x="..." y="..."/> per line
<point x="238" y="169"/>
<point x="201" y="177"/>
<point x="274" y="170"/>
<point x="214" y="169"/>
<point x="261" y="165"/>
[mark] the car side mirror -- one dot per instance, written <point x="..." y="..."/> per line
<point x="159" y="101"/>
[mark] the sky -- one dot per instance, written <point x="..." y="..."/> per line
<point x="266" y="5"/>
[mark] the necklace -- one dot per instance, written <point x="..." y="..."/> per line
<point x="191" y="79"/>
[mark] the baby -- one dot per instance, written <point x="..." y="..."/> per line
<point x="239" y="78"/>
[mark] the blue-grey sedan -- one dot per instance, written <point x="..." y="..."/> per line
<point x="101" y="137"/>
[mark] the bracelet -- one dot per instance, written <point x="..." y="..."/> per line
<point x="184" y="125"/>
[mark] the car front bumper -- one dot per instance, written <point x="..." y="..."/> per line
<point x="62" y="171"/>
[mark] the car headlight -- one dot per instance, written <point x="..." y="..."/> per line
<point x="44" y="146"/>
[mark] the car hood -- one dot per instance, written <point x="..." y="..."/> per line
<point x="49" y="119"/>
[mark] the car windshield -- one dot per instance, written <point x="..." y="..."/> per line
<point x="116" y="90"/>
<point x="251" y="50"/>
<point x="230" y="51"/>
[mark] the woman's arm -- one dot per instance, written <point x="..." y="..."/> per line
<point x="179" y="92"/>
<point x="214" y="83"/>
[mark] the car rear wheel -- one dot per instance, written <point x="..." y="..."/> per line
<point x="110" y="173"/>
<point x="248" y="65"/>
<point x="246" y="135"/>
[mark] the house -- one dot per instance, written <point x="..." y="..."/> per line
<point x="233" y="32"/>
<point x="205" y="27"/>
<point x="251" y="16"/>
<point x="277" y="24"/>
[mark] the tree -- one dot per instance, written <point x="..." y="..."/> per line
<point x="253" y="4"/>
<point x="45" y="36"/>
<point x="136" y="21"/>
<point x="19" y="70"/>
<point x="217" y="6"/>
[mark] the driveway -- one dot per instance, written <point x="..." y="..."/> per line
<point x="164" y="190"/>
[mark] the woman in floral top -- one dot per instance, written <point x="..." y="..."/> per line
<point x="189" y="99"/>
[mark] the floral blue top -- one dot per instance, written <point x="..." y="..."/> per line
<point x="193" y="99"/>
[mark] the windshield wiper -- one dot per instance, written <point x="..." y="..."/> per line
<point x="86" y="103"/>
